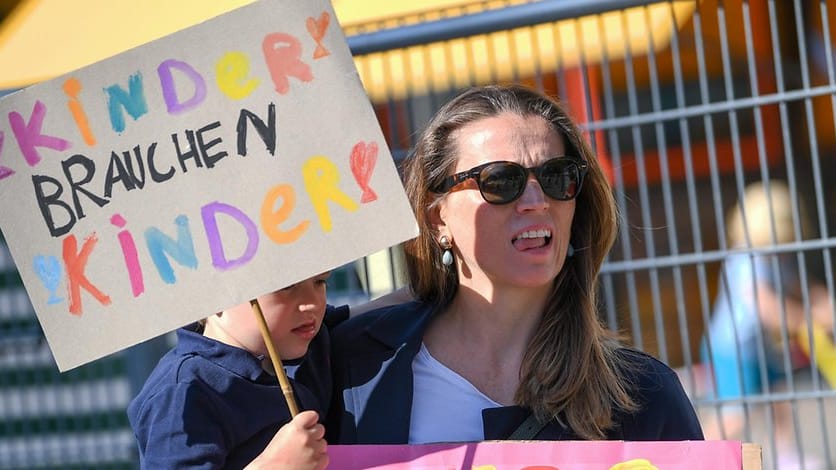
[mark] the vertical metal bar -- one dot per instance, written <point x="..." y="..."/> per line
<point x="765" y="177"/>
<point x="560" y="67"/>
<point x="819" y="197"/>
<point x="537" y="55"/>
<point x="690" y="185"/>
<point x="391" y="106"/>
<point x="609" y="301"/>
<point x="450" y="54"/>
<point x="470" y="58"/>
<point x="607" y="283"/>
<point x="587" y="92"/>
<point x="447" y="52"/>
<point x="823" y="228"/>
<point x="831" y="79"/>
<point x="708" y="124"/>
<point x="739" y="174"/>
<point x="784" y="118"/>
<point x="490" y="52"/>
<point x="608" y="286"/>
<point x="513" y="57"/>
<point x="409" y="108"/>
<point x="667" y="197"/>
<point x="644" y="198"/>
<point x="620" y="197"/>
<point x="429" y="71"/>
<point x="449" y="66"/>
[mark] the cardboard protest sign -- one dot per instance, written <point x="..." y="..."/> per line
<point x="193" y="173"/>
<point x="542" y="455"/>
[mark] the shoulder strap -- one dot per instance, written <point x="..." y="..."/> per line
<point x="528" y="429"/>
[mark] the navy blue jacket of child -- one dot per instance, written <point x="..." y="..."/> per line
<point x="372" y="360"/>
<point x="208" y="405"/>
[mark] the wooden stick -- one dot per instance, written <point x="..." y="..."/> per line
<point x="287" y="390"/>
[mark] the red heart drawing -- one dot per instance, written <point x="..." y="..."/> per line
<point x="316" y="28"/>
<point x="363" y="159"/>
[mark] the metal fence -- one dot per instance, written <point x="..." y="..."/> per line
<point x="686" y="102"/>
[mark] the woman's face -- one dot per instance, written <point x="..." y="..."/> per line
<point x="519" y="244"/>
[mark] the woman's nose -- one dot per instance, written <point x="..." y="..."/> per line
<point x="533" y="197"/>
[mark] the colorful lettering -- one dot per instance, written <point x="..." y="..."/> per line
<point x="267" y="132"/>
<point x="72" y="87"/>
<point x="76" y="186"/>
<point x="182" y="250"/>
<point x="126" y="241"/>
<point x="133" y="102"/>
<point x="116" y="172"/>
<point x="204" y="146"/>
<point x="190" y="152"/>
<point x="156" y="176"/>
<point x="282" y="54"/>
<point x="232" y="74"/>
<point x="49" y="270"/>
<point x="197" y="148"/>
<point x="321" y="177"/>
<point x="75" y="263"/>
<point x="317" y="28"/>
<point x="172" y="101"/>
<point x="137" y="177"/>
<point x="363" y="159"/>
<point x="213" y="235"/>
<point x="121" y="169"/>
<point x="4" y="170"/>
<point x="270" y="218"/>
<point x="29" y="135"/>
<point x="635" y="464"/>
<point x="47" y="201"/>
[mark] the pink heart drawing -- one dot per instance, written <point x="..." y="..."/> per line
<point x="316" y="28"/>
<point x="363" y="160"/>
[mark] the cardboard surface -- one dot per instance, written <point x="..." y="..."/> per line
<point x="193" y="173"/>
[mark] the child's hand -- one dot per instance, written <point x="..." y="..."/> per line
<point x="298" y="444"/>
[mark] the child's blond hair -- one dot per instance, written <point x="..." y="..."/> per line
<point x="765" y="210"/>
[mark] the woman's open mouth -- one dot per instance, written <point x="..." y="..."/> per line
<point x="531" y="239"/>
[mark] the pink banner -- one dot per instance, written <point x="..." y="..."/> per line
<point x="557" y="455"/>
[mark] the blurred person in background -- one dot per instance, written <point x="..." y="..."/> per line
<point x="759" y="311"/>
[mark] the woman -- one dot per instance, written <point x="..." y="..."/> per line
<point x="503" y="339"/>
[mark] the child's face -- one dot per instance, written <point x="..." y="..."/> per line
<point x="293" y="315"/>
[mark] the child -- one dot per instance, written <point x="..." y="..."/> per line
<point x="214" y="401"/>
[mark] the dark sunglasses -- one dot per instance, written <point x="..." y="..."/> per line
<point x="504" y="182"/>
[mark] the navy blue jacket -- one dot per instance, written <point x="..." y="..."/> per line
<point x="209" y="405"/>
<point x="372" y="364"/>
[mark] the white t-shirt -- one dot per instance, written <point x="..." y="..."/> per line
<point x="445" y="406"/>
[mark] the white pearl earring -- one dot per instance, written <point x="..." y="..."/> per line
<point x="447" y="255"/>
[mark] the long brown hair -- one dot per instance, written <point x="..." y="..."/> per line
<point x="571" y="369"/>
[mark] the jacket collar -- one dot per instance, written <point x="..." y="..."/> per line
<point x="236" y="360"/>
<point x="387" y="404"/>
<point x="400" y="324"/>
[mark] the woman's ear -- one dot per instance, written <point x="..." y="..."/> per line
<point x="435" y="216"/>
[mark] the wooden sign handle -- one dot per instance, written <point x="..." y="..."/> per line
<point x="284" y="382"/>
